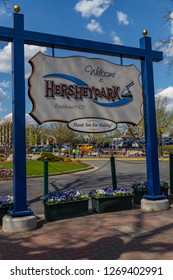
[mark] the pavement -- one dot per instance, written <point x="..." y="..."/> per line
<point x="124" y="235"/>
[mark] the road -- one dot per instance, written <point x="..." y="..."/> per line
<point x="127" y="171"/>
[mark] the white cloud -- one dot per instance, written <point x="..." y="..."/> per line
<point x="94" y="26"/>
<point x="5" y="57"/>
<point x="89" y="8"/>
<point x="115" y="39"/>
<point x="122" y="18"/>
<point x="30" y="51"/>
<point x="167" y="92"/>
<point x="2" y="10"/>
<point x="171" y="16"/>
<point x="8" y="117"/>
<point x="5" y="84"/>
<point x="28" y="118"/>
<point x="2" y="108"/>
<point x="3" y="93"/>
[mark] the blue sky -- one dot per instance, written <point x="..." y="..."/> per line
<point x="113" y="21"/>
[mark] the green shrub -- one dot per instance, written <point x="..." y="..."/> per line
<point x="49" y="156"/>
<point x="167" y="148"/>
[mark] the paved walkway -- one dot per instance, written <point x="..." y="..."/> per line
<point x="95" y="237"/>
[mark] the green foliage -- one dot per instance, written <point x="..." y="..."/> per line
<point x="49" y="156"/>
<point x="163" y="116"/>
<point x="61" y="133"/>
<point x="167" y="149"/>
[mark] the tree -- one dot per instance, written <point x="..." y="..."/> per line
<point x="35" y="135"/>
<point x="6" y="2"/>
<point x="6" y="135"/>
<point x="164" y="121"/>
<point x="166" y="44"/>
<point x="134" y="131"/>
<point x="164" y="118"/>
<point x="61" y="133"/>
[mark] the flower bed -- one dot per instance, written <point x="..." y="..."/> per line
<point x="141" y="188"/>
<point x="6" y="172"/>
<point x="6" y="203"/>
<point x="63" y="205"/>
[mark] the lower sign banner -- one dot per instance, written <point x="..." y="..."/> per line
<point x="89" y="94"/>
<point x="92" y="125"/>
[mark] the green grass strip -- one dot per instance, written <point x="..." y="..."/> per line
<point x="34" y="168"/>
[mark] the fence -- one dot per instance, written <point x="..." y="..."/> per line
<point x="114" y="172"/>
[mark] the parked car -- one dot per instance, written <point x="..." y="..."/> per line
<point x="125" y="144"/>
<point x="50" y="148"/>
<point x="129" y="143"/>
<point x="141" y="141"/>
<point x="103" y="145"/>
<point x="135" y="144"/>
<point x="168" y="142"/>
<point x="38" y="148"/>
<point x="64" y="147"/>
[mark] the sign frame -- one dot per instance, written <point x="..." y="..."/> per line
<point x="18" y="36"/>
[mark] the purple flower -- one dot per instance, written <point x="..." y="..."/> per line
<point x="6" y="201"/>
<point x="64" y="196"/>
<point x="109" y="191"/>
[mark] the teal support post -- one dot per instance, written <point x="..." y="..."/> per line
<point x="171" y="172"/>
<point x="113" y="171"/>
<point x="45" y="177"/>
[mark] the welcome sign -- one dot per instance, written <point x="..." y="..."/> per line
<point x="90" y="94"/>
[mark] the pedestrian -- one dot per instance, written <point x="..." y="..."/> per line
<point x="81" y="152"/>
<point x="99" y="152"/>
<point x="74" y="153"/>
<point x="77" y="152"/>
<point x="124" y="151"/>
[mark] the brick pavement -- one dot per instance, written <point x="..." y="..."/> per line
<point x="94" y="237"/>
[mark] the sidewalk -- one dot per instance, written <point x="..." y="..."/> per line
<point x="125" y="235"/>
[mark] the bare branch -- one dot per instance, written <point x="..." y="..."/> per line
<point x="6" y="2"/>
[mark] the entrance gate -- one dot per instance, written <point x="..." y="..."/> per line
<point x="18" y="36"/>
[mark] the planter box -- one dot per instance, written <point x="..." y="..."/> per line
<point x="138" y="196"/>
<point x="110" y="204"/>
<point x="164" y="191"/>
<point x="61" y="211"/>
<point x="3" y="212"/>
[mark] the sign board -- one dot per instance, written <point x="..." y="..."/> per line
<point x="89" y="94"/>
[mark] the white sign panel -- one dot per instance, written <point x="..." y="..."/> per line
<point x="72" y="88"/>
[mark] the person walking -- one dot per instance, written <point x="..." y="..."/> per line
<point x="74" y="153"/>
<point x="77" y="152"/>
<point x="124" y="152"/>
<point x="99" y="152"/>
<point x="81" y="152"/>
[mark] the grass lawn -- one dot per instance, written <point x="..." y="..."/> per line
<point x="34" y="167"/>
